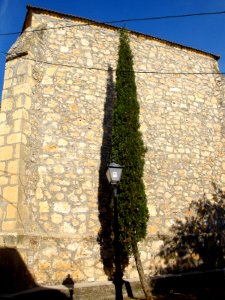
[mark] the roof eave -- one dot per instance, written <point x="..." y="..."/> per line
<point x="105" y="25"/>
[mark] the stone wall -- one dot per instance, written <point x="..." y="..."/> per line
<point x="55" y="129"/>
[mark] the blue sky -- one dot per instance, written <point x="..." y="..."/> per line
<point x="204" y="32"/>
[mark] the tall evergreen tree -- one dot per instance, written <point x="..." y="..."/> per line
<point x="128" y="150"/>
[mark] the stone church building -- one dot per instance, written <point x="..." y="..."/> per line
<point x="55" y="125"/>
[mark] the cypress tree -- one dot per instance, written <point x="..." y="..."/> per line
<point x="128" y="150"/>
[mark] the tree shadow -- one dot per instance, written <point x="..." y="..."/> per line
<point x="105" y="204"/>
<point x="198" y="243"/>
<point x="16" y="282"/>
<point x="105" y="235"/>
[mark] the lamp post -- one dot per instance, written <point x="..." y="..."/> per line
<point x="113" y="173"/>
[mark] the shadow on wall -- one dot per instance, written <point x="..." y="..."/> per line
<point x="15" y="279"/>
<point x="198" y="243"/>
<point x="105" y="204"/>
<point x="105" y="235"/>
<point x="14" y="275"/>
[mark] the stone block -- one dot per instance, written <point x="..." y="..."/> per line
<point x="48" y="90"/>
<point x="13" y="167"/>
<point x="8" y="73"/>
<point x="4" y="129"/>
<point x="223" y="179"/>
<point x="14" y="179"/>
<point x="21" y="69"/>
<point x="56" y="218"/>
<point x="59" y="196"/>
<point x="2" y="168"/>
<point x="2" y="117"/>
<point x="7" y="104"/>
<point x="23" y="101"/>
<point x="14" y="138"/>
<point x="153" y="229"/>
<point x="152" y="210"/>
<point x="73" y="108"/>
<point x="10" y="194"/>
<point x="2" y="141"/>
<point x="43" y="207"/>
<point x="7" y="83"/>
<point x="39" y="193"/>
<point x="17" y="151"/>
<point x="26" y="128"/>
<point x="44" y="265"/>
<point x="47" y="80"/>
<point x="50" y="251"/>
<point x="61" y="264"/>
<point x="3" y="180"/>
<point x="62" y="142"/>
<point x="27" y="102"/>
<point x="50" y="148"/>
<point x="62" y="207"/>
<point x="17" y="124"/>
<point x="24" y="139"/>
<point x="20" y="113"/>
<point x="22" y="88"/>
<point x="51" y="70"/>
<point x="223" y="165"/>
<point x="59" y="169"/>
<point x="54" y="188"/>
<point x="11" y="211"/>
<point x="8" y="225"/>
<point x="6" y="153"/>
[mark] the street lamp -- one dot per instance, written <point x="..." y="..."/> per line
<point x="113" y="174"/>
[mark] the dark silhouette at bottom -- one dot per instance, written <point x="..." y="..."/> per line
<point x="16" y="282"/>
<point x="69" y="283"/>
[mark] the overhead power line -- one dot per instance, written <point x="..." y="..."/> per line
<point x="106" y="69"/>
<point x="168" y="17"/>
<point x="121" y="21"/>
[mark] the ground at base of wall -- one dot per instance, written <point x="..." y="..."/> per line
<point x="38" y="293"/>
<point x="208" y="285"/>
<point x="201" y="294"/>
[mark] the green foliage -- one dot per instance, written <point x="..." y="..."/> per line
<point x="199" y="241"/>
<point x="128" y="150"/>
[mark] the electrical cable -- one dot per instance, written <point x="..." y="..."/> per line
<point x="121" y="21"/>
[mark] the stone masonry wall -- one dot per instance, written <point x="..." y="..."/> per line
<point x="14" y="130"/>
<point x="55" y="133"/>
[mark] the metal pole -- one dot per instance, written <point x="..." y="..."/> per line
<point x="118" y="275"/>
